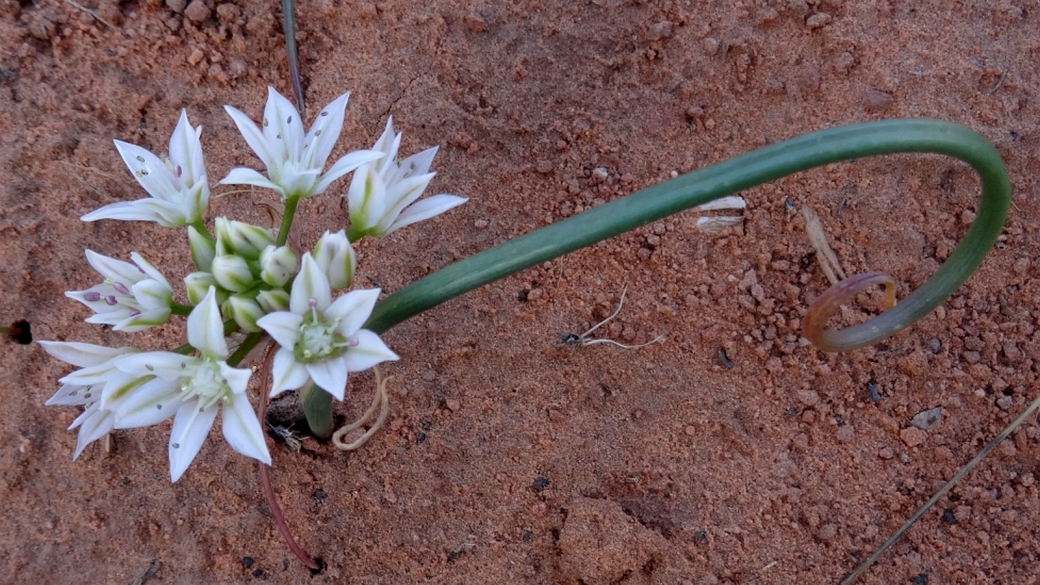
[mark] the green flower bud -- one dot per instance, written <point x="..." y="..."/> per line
<point x="232" y="273"/>
<point x="244" y="311"/>
<point x="273" y="300"/>
<point x="336" y="257"/>
<point x="242" y="239"/>
<point x="277" y="265"/>
<point x="197" y="284"/>
<point x="202" y="250"/>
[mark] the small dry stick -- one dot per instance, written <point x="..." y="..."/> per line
<point x="380" y="401"/>
<point x="575" y="341"/>
<point x="97" y="16"/>
<point x="826" y="256"/>
<point x="942" y="492"/>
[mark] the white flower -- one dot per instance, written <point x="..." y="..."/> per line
<point x="98" y="386"/>
<point x="382" y="194"/>
<point x="294" y="161"/>
<point x="192" y="389"/>
<point x="178" y="185"/>
<point x="131" y="298"/>
<point x="322" y="340"/>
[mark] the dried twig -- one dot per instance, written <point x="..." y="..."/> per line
<point x="826" y="256"/>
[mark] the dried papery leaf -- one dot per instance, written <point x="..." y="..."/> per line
<point x="730" y="213"/>
<point x="824" y="254"/>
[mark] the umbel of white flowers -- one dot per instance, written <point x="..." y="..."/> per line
<point x="243" y="278"/>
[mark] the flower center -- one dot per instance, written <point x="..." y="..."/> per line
<point x="319" y="339"/>
<point x="207" y="384"/>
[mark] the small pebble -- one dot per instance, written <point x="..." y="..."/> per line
<point x="927" y="420"/>
<point x="197" y="11"/>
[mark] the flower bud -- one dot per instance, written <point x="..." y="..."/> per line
<point x="232" y="273"/>
<point x="273" y="300"/>
<point x="334" y="254"/>
<point x="277" y="265"/>
<point x="244" y="311"/>
<point x="197" y="285"/>
<point x="242" y="239"/>
<point x="202" y="250"/>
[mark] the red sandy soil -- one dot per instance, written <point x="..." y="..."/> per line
<point x="506" y="459"/>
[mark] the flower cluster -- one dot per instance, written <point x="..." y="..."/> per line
<point x="246" y="279"/>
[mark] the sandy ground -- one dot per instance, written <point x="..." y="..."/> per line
<point x="506" y="459"/>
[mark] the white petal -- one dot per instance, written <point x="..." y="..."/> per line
<point x="419" y="163"/>
<point x="190" y="428"/>
<point x="150" y="270"/>
<point x="150" y="171"/>
<point x="366" y="198"/>
<point x="287" y="373"/>
<point x="117" y="270"/>
<point x="69" y="395"/>
<point x="83" y="355"/>
<point x="283" y="327"/>
<point x="205" y="329"/>
<point x="143" y="320"/>
<point x="310" y="283"/>
<point x="93" y="376"/>
<point x="425" y="209"/>
<point x="243" y="176"/>
<point x="324" y="132"/>
<point x="163" y="364"/>
<point x="254" y="137"/>
<point x="352" y="310"/>
<point x="370" y="351"/>
<point x="330" y="375"/>
<point x="401" y="194"/>
<point x="236" y="378"/>
<point x="186" y="152"/>
<point x="388" y="144"/>
<point x="96" y="423"/>
<point x="152" y="294"/>
<point x="283" y="124"/>
<point x="164" y="213"/>
<point x="118" y="386"/>
<point x="152" y="403"/>
<point x="344" y="165"/>
<point x="242" y="429"/>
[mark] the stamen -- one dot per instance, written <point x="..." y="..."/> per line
<point x="120" y="288"/>
<point x="135" y="313"/>
<point x="178" y="171"/>
<point x="140" y="158"/>
<point x="92" y="296"/>
<point x="110" y="300"/>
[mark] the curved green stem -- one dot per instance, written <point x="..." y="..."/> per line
<point x="287" y="218"/>
<point x="763" y="165"/>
